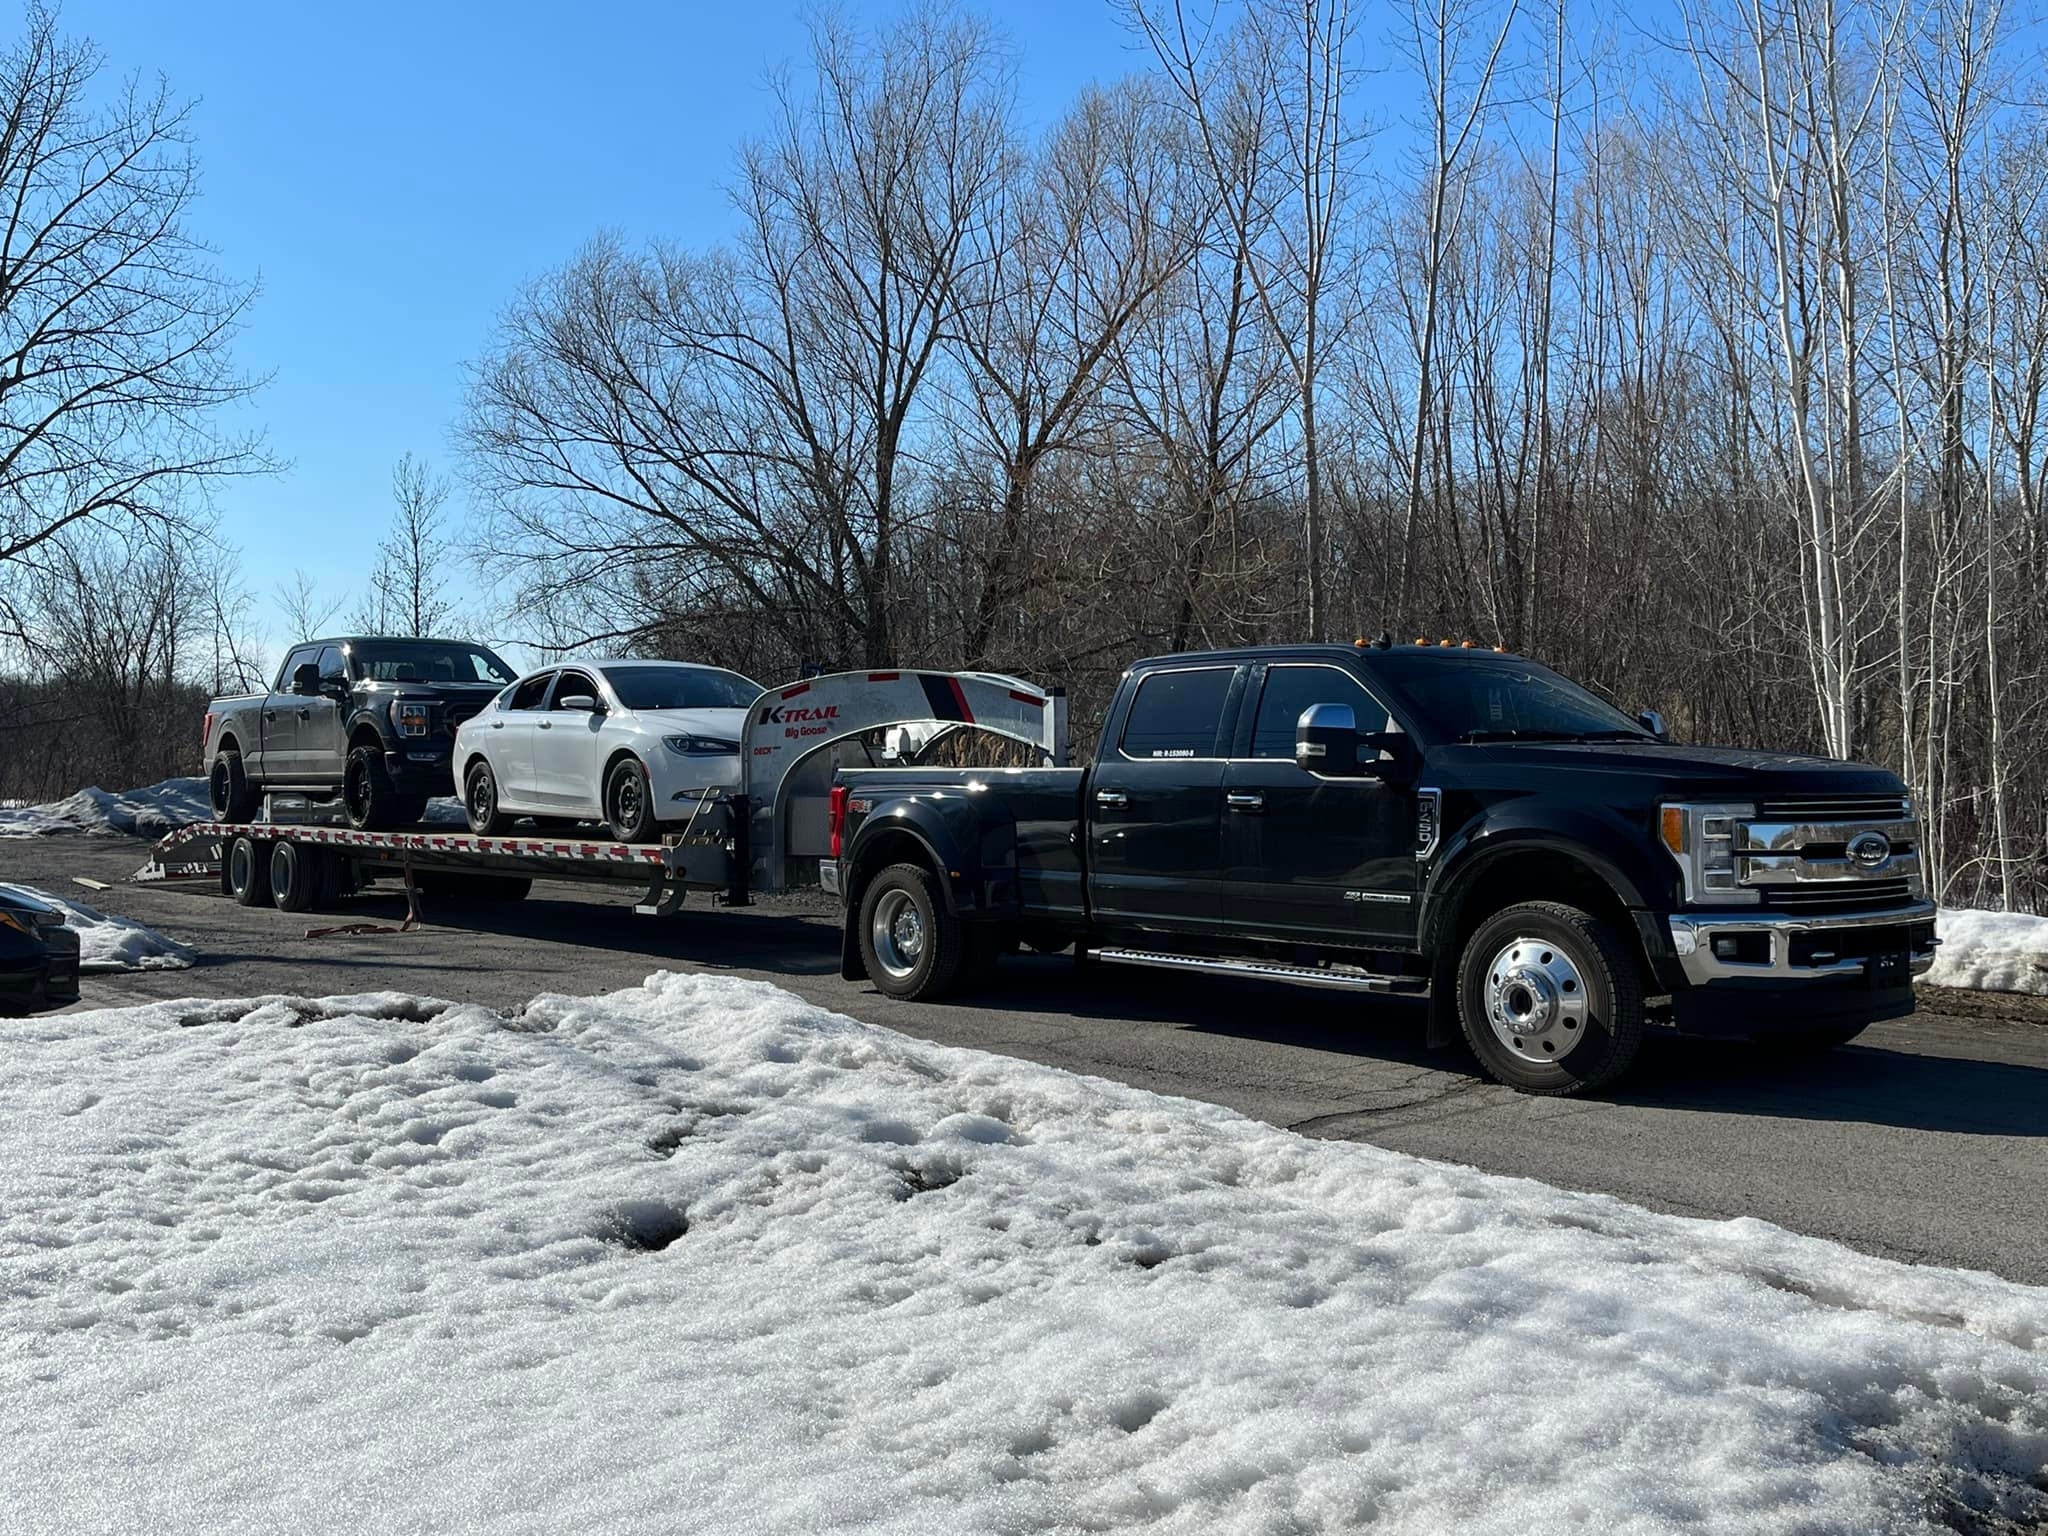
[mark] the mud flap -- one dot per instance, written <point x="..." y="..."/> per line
<point x="851" y="966"/>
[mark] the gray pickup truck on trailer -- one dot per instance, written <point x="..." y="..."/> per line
<point x="370" y="718"/>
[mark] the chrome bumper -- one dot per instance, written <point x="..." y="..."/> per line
<point x="828" y="876"/>
<point x="1693" y="935"/>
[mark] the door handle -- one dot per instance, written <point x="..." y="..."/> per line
<point x="270" y="714"/>
<point x="546" y="725"/>
<point x="1240" y="800"/>
<point x="305" y="713"/>
<point x="1112" y="799"/>
<point x="497" y="725"/>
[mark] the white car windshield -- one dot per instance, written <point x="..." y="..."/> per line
<point x="656" y="687"/>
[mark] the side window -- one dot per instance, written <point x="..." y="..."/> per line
<point x="1176" y="714"/>
<point x="531" y="693"/>
<point x="292" y="663"/>
<point x="569" y="683"/>
<point x="1290" y="690"/>
<point x="333" y="667"/>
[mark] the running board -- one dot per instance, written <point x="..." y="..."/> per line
<point x="1263" y="970"/>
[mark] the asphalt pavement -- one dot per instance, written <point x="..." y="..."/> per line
<point x="1925" y="1141"/>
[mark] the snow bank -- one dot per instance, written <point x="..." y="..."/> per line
<point x="149" y="812"/>
<point x="1991" y="951"/>
<point x="110" y="943"/>
<point x="701" y="1257"/>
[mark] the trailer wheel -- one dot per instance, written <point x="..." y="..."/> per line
<point x="229" y="789"/>
<point x="248" y="876"/>
<point x="480" y="801"/>
<point x="629" y="802"/>
<point x="295" y="877"/>
<point x="1551" y="1000"/>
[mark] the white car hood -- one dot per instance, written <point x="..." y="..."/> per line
<point x="723" y="724"/>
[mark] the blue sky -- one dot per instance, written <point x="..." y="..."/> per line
<point x="393" y="173"/>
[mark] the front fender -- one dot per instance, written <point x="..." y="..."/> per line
<point x="1618" y="853"/>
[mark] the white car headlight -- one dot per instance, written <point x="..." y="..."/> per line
<point x="701" y="746"/>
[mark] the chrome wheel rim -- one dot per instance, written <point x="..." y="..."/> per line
<point x="1536" y="1000"/>
<point x="898" y="934"/>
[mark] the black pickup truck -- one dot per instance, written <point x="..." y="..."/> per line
<point x="1556" y="875"/>
<point x="370" y="718"/>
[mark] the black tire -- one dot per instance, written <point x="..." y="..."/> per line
<point x="333" y="881"/>
<point x="227" y="786"/>
<point x="921" y="945"/>
<point x="295" y="876"/>
<point x="372" y="802"/>
<point x="629" y="802"/>
<point x="1558" y="1012"/>
<point x="248" y="872"/>
<point x="480" y="801"/>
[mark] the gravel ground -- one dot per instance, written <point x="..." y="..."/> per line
<point x="1926" y="1141"/>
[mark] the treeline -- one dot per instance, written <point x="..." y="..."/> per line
<point x="1709" y="370"/>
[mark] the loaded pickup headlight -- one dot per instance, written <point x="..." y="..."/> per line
<point x="701" y="746"/>
<point x="1702" y="839"/>
<point x="410" y="719"/>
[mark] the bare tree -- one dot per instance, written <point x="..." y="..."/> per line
<point x="114" y="324"/>
<point x="305" y="608"/>
<point x="408" y="591"/>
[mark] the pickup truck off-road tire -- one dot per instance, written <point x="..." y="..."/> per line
<point x="629" y="802"/>
<point x="370" y="798"/>
<point x="480" y="801"/>
<point x="234" y="797"/>
<point x="911" y="944"/>
<point x="248" y="873"/>
<point x="296" y="876"/>
<point x="1550" y="999"/>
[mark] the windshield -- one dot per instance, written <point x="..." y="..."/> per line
<point x="658" y="687"/>
<point x="427" y="661"/>
<point x="1463" y="697"/>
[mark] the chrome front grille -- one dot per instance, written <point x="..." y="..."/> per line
<point x="1840" y="895"/>
<point x="1836" y="808"/>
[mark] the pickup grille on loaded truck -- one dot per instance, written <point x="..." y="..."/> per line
<point x="1836" y="808"/>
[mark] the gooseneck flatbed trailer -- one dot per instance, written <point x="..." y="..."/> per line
<point x="770" y="831"/>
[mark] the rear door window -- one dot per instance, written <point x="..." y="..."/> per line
<point x="1177" y="714"/>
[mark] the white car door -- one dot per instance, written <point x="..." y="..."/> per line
<point x="569" y="747"/>
<point x="507" y="733"/>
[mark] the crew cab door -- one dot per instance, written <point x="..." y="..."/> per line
<point x="1154" y="805"/>
<point x="321" y="719"/>
<point x="1312" y="858"/>
<point x="280" y="761"/>
<point x="568" y="746"/>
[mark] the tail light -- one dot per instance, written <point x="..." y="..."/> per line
<point x="838" y="807"/>
<point x="206" y="730"/>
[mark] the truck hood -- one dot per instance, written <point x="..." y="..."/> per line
<point x="1672" y="769"/>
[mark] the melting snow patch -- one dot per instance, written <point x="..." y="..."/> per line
<point x="700" y="1256"/>
<point x="148" y="812"/>
<point x="110" y="943"/>
<point x="1991" y="951"/>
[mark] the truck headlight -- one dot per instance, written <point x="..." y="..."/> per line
<point x="411" y="719"/>
<point x="1702" y="839"/>
<point x="701" y="746"/>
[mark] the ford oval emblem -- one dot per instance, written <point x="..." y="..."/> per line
<point x="1870" y="850"/>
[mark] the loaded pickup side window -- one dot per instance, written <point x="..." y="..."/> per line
<point x="1177" y="714"/>
<point x="292" y="663"/>
<point x="1290" y="690"/>
<point x="333" y="666"/>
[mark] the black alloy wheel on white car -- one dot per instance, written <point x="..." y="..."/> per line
<point x="629" y="802"/>
<point x="480" y="801"/>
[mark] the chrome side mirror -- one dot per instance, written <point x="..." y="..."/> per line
<point x="579" y="703"/>
<point x="1326" y="740"/>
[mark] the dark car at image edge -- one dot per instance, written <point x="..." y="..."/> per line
<point x="38" y="955"/>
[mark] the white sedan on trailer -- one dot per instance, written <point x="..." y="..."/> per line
<point x="628" y="743"/>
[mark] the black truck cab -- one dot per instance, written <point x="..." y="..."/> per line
<point x="1556" y="874"/>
